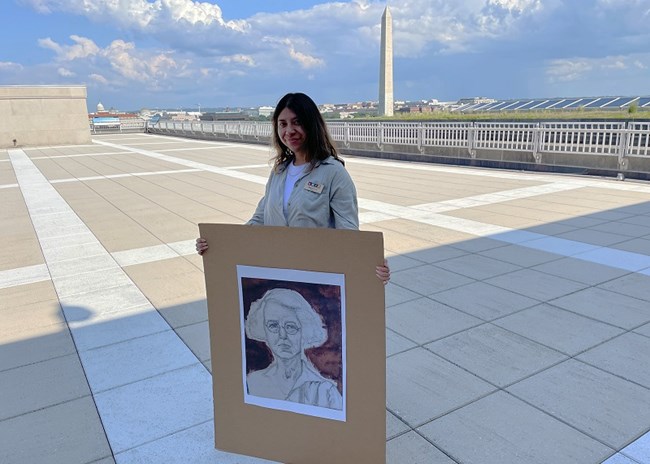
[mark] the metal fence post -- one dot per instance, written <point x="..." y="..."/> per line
<point x="623" y="150"/>
<point x="471" y="135"/>
<point x="537" y="131"/>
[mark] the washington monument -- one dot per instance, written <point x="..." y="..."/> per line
<point x="386" y="67"/>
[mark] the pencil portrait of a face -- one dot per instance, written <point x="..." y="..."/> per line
<point x="293" y="345"/>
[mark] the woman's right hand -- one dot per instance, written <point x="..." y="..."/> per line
<point x="201" y="245"/>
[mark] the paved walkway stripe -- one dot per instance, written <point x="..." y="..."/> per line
<point x="165" y="386"/>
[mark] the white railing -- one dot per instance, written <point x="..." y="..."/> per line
<point x="620" y="139"/>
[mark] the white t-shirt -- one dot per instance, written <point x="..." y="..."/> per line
<point x="293" y="173"/>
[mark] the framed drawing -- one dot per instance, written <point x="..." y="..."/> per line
<point x="297" y="336"/>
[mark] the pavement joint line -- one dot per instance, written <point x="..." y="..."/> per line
<point x="36" y="189"/>
<point x="192" y="164"/>
<point x="126" y="175"/>
<point x="82" y="155"/>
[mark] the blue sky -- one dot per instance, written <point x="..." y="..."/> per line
<point x="134" y="54"/>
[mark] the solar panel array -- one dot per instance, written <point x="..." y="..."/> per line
<point x="590" y="103"/>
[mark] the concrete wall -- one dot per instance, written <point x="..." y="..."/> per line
<point x="43" y="115"/>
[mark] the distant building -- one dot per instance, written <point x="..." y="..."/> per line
<point x="475" y="100"/>
<point x="266" y="111"/>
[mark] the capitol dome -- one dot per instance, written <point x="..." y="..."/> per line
<point x="100" y="107"/>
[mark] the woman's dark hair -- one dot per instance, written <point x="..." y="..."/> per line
<point x="318" y="142"/>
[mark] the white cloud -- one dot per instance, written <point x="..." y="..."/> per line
<point x="586" y="68"/>
<point x="239" y="59"/>
<point x="10" y="66"/>
<point x="568" y="70"/>
<point x="63" y="72"/>
<point x="82" y="48"/>
<point x="98" y="78"/>
<point x="129" y="63"/>
<point x="142" y="14"/>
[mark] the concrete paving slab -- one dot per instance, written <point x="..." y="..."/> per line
<point x="396" y="294"/>
<point x="478" y="245"/>
<point x="195" y="445"/>
<point x="557" y="328"/>
<point x="424" y="320"/>
<point x="82" y="265"/>
<point x="422" y="386"/>
<point x="616" y="258"/>
<point x="598" y="404"/>
<point x="595" y="237"/>
<point x="436" y="254"/>
<point x="619" y="459"/>
<point x="580" y="271"/>
<point x="25" y="274"/>
<point x="502" y="429"/>
<point x="520" y="255"/>
<point x="106" y="300"/>
<point x="428" y="279"/>
<point x="624" y="228"/>
<point x="29" y="318"/>
<point x="91" y="330"/>
<point x="613" y="308"/>
<point x="39" y="385"/>
<point x="112" y="365"/>
<point x="73" y="285"/>
<point x="68" y="251"/>
<point x="184" y="314"/>
<point x="197" y="338"/>
<point x="396" y="343"/>
<point x="49" y="435"/>
<point x="167" y="403"/>
<point x="640" y="449"/>
<point x="394" y="426"/>
<point x="21" y="295"/>
<point x="169" y="282"/>
<point x="634" y="285"/>
<point x="29" y="347"/>
<point x="82" y="238"/>
<point x="414" y="449"/>
<point x="535" y="284"/>
<point x="637" y="245"/>
<point x="643" y="330"/>
<point x="401" y="262"/>
<point x="496" y="355"/>
<point x="484" y="301"/>
<point x="552" y="229"/>
<point x="625" y="356"/>
<point x="398" y="242"/>
<point x="477" y="267"/>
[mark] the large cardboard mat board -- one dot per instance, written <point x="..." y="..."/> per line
<point x="297" y="336"/>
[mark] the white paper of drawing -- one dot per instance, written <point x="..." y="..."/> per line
<point x="293" y="340"/>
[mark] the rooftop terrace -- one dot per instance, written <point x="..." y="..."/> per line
<point x="518" y="315"/>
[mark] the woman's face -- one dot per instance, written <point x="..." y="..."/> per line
<point x="283" y="330"/>
<point x="291" y="131"/>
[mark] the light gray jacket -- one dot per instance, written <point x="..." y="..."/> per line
<point x="323" y="197"/>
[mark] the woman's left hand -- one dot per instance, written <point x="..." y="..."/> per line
<point x="383" y="272"/>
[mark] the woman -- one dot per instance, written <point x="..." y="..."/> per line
<point x="309" y="185"/>
<point x="287" y="323"/>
